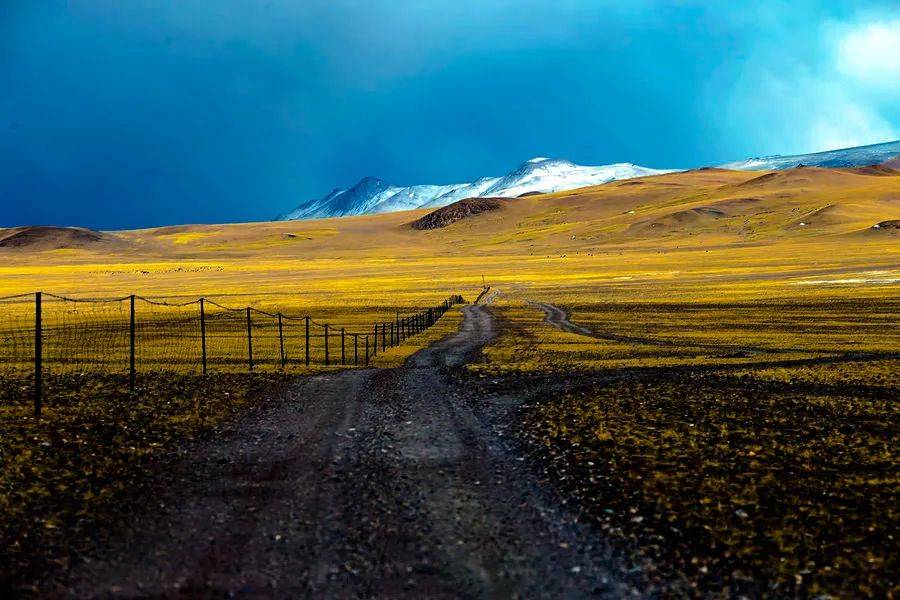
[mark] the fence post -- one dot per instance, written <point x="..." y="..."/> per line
<point x="375" y="344"/>
<point x="307" y="341"/>
<point x="249" y="340"/>
<point x="392" y="334"/>
<point x="131" y="348"/>
<point x="356" y="349"/>
<point x="203" y="334"/>
<point x="326" y="344"/>
<point x="367" y="350"/>
<point x="383" y="342"/>
<point x="342" y="347"/>
<point x="38" y="354"/>
<point x="281" y="339"/>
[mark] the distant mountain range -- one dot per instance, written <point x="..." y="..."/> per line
<point x="860" y="156"/>
<point x="542" y="175"/>
<point x="373" y="195"/>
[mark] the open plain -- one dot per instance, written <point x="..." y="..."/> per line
<point x="683" y="384"/>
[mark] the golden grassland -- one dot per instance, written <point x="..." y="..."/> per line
<point x="757" y="307"/>
<point x="706" y="234"/>
<point x="701" y="236"/>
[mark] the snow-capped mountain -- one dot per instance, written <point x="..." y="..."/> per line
<point x="358" y="200"/>
<point x="846" y="157"/>
<point x="554" y="175"/>
<point x="469" y="190"/>
<point x="372" y="195"/>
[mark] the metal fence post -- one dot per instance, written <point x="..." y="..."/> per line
<point x="38" y="354"/>
<point x="392" y="334"/>
<point x="203" y="334"/>
<point x="342" y="347"/>
<point x="375" y="344"/>
<point x="307" y="341"/>
<point x="367" y="350"/>
<point x="356" y="349"/>
<point x="383" y="342"/>
<point x="281" y="339"/>
<point x="326" y="344"/>
<point x="131" y="349"/>
<point x="249" y="340"/>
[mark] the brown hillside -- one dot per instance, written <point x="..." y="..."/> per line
<point x="50" y="238"/>
<point x="452" y="213"/>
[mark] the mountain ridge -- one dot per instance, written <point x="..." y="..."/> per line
<point x="372" y="195"/>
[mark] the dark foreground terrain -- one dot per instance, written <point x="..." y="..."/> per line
<point x="447" y="478"/>
<point x="362" y="483"/>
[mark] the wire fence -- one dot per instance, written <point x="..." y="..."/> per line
<point x="42" y="333"/>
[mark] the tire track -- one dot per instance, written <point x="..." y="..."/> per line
<point x="559" y="318"/>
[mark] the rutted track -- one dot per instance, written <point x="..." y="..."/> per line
<point x="360" y="483"/>
<point x="559" y="318"/>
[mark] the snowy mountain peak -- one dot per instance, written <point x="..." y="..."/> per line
<point x="539" y="174"/>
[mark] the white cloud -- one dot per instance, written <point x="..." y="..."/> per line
<point x="837" y="91"/>
<point x="818" y="114"/>
<point x="871" y="52"/>
<point x="844" y="122"/>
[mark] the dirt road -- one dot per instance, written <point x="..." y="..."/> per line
<point x="372" y="483"/>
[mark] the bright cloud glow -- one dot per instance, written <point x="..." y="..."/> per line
<point x="871" y="52"/>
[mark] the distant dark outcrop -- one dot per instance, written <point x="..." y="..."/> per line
<point x="526" y="194"/>
<point x="452" y="213"/>
<point x="892" y="224"/>
<point x="49" y="238"/>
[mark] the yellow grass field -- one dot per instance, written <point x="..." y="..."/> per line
<point x="699" y="235"/>
<point x="696" y="237"/>
<point x="705" y="236"/>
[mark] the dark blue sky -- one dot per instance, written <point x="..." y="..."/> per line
<point x="125" y="114"/>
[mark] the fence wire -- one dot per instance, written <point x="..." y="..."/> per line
<point x="46" y="334"/>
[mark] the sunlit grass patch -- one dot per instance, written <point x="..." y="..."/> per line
<point x="447" y="325"/>
<point x="881" y="373"/>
